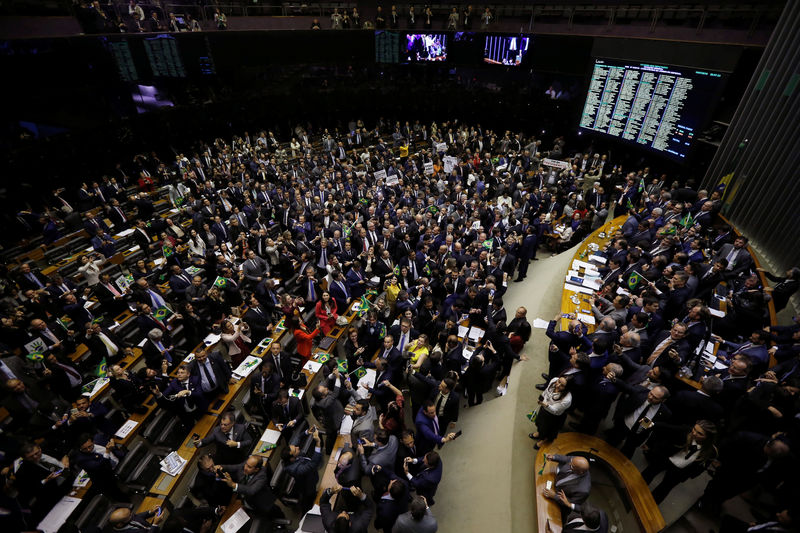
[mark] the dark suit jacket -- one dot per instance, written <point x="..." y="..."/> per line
<point x="388" y="509"/>
<point x="304" y="471"/>
<point x="195" y="400"/>
<point x="222" y="371"/>
<point x="359" y="521"/>
<point x="690" y="406"/>
<point x="295" y="412"/>
<point x="255" y="492"/>
<point x="577" y="488"/>
<point x="427" y="481"/>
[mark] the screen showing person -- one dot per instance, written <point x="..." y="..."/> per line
<point x="426" y="47"/>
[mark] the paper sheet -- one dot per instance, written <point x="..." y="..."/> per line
<point x="577" y="288"/>
<point x="475" y="334"/>
<point x="235" y="522"/>
<point x="125" y="429"/>
<point x="586" y="319"/>
<point x="578" y="264"/>
<point x="467" y="353"/>
<point x="347" y="425"/>
<point x="210" y="339"/>
<point x="598" y="258"/>
<point x="540" y="323"/>
<point x="716" y="312"/>
<point x="58" y="514"/>
<point x="125" y="233"/>
<point x="270" y="436"/>
<point x="462" y="332"/>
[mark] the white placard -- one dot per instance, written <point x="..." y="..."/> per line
<point x="58" y="514"/>
<point x="392" y="180"/>
<point x="450" y="163"/>
<point x="598" y="258"/>
<point x="440" y="147"/>
<point x="126" y="429"/>
<point x="428" y="168"/>
<point x="555" y="163"/>
<point x="247" y="366"/>
<point x="379" y="174"/>
<point x="577" y="288"/>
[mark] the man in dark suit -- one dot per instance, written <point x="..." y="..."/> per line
<point x="357" y="522"/>
<point x="282" y="362"/>
<point x="340" y="292"/>
<point x="122" y="520"/>
<point x="403" y="334"/>
<point x="179" y="281"/>
<point x="427" y="480"/>
<point x="258" y="319"/>
<point x="41" y="480"/>
<point x="99" y="462"/>
<point x="184" y="397"/>
<point x="669" y="348"/>
<point x="572" y="478"/>
<point x="212" y="371"/>
<point x="255" y="268"/>
<point x="143" y="239"/>
<point x="356" y="280"/>
<point x="739" y="259"/>
<point x="636" y="413"/>
<point x="392" y="356"/>
<point x="232" y="440"/>
<point x="304" y="470"/>
<point x="207" y="486"/>
<point x="30" y="279"/>
<point x="54" y="337"/>
<point x="585" y="517"/>
<point x="103" y="242"/>
<point x="391" y="498"/>
<point x="602" y="392"/>
<point x="286" y="411"/>
<point x="112" y="299"/>
<point x="328" y="409"/>
<point x="429" y="433"/>
<point x="445" y="400"/>
<point x="690" y="406"/>
<point x="249" y="481"/>
<point x="159" y="348"/>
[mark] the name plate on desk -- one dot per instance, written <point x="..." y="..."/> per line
<point x="126" y="429"/>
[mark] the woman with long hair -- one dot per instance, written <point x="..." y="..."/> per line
<point x="419" y="349"/>
<point x="326" y="312"/>
<point x="353" y="348"/>
<point x="679" y="455"/>
<point x="552" y="411"/>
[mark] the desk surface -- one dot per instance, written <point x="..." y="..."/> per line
<point x="644" y="506"/>
<point x="582" y="254"/>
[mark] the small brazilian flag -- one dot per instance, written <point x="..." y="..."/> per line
<point x="633" y="280"/>
<point x="383" y="330"/>
<point x="641" y="186"/>
<point x="629" y="204"/>
<point x="280" y="324"/>
<point x="687" y="221"/>
<point x="220" y="282"/>
<point x="35" y="356"/>
<point x="161" y="313"/>
<point x="363" y="201"/>
<point x="433" y="209"/>
<point x="102" y="369"/>
<point x="323" y="357"/>
<point x="532" y="415"/>
<point x="360" y="372"/>
<point x="488" y="243"/>
<point x="671" y="231"/>
<point x="129" y="279"/>
<point x="427" y="269"/>
<point x="371" y="292"/>
<point x="65" y="322"/>
<point x="89" y="387"/>
<point x="179" y="201"/>
<point x="396" y="270"/>
<point x="342" y="366"/>
<point x="544" y="463"/>
<point x="168" y="251"/>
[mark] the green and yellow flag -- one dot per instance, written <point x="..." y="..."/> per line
<point x="342" y="366"/>
<point x="633" y="280"/>
<point x="323" y="357"/>
<point x="161" y="313"/>
<point x="102" y="369"/>
<point x="360" y="372"/>
<point x="220" y="282"/>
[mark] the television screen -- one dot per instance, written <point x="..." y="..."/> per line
<point x="426" y="47"/>
<point x="504" y="50"/>
<point x="657" y="107"/>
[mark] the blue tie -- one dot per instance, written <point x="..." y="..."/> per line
<point x="311" y="290"/>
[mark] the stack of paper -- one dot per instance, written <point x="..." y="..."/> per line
<point x="246" y="367"/>
<point x="347" y="426"/>
<point x="270" y="438"/>
<point x="58" y="514"/>
<point x="126" y="428"/>
<point x="235" y="522"/>
<point x="173" y="464"/>
<point x="462" y="331"/>
<point x="540" y="323"/>
<point x="598" y="259"/>
<point x="475" y="334"/>
<point x="211" y="338"/>
<point x="312" y="366"/>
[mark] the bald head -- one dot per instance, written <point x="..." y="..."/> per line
<point x="119" y="517"/>
<point x="580" y="465"/>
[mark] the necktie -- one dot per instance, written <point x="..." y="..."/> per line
<point x="439" y="401"/>
<point x="34" y="279"/>
<point x="73" y="376"/>
<point x="691" y="450"/>
<point x="278" y="366"/>
<point x="209" y="376"/>
<point x="311" y="292"/>
<point x="50" y="335"/>
<point x="112" y="290"/>
<point x="402" y="341"/>
<point x="659" y="350"/>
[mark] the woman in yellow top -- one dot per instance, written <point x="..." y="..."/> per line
<point x="419" y="350"/>
<point x="404" y="150"/>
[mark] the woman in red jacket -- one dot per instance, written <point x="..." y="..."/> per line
<point x="326" y="312"/>
<point x="303" y="336"/>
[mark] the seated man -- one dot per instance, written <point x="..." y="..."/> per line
<point x="572" y="479"/>
<point x="123" y="520"/>
<point x="207" y="486"/>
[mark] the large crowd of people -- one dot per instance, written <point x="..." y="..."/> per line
<point x="425" y="226"/>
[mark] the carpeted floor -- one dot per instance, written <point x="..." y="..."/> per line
<point x="488" y="472"/>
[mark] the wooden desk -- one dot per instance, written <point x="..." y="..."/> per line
<point x="582" y="254"/>
<point x="165" y="484"/>
<point x="643" y="505"/>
